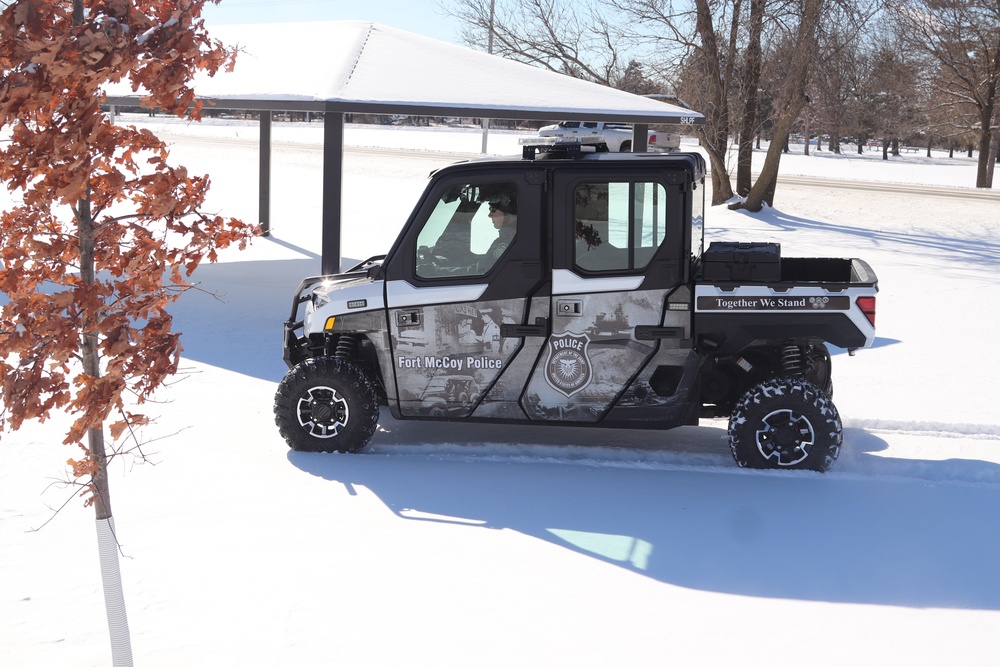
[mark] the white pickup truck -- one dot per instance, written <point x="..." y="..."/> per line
<point x="617" y="136"/>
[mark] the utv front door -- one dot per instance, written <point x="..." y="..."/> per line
<point x="469" y="267"/>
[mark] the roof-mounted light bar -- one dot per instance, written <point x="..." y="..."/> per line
<point x="566" y="147"/>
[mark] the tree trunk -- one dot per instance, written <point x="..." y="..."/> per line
<point x="984" y="168"/>
<point x="90" y="356"/>
<point x="795" y="100"/>
<point x="114" y="595"/>
<point x="993" y="158"/>
<point x="748" y="122"/>
<point x="715" y="132"/>
<point x="722" y="189"/>
<point x="763" y="189"/>
<point x="808" y="140"/>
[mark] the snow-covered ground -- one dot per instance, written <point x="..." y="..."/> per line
<point x="451" y="544"/>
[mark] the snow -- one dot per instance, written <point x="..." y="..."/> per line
<point x="458" y="544"/>
<point x="365" y="63"/>
<point x="144" y="37"/>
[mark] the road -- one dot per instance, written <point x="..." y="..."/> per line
<point x="278" y="146"/>
<point x="894" y="188"/>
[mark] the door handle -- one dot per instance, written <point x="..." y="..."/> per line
<point x="569" y="307"/>
<point x="539" y="328"/>
<point x="643" y="332"/>
<point x="408" y="318"/>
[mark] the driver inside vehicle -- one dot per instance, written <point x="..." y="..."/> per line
<point x="457" y="248"/>
<point x="503" y="214"/>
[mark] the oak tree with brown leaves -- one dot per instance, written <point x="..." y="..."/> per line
<point x="103" y="231"/>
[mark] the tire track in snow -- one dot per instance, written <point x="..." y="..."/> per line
<point x="935" y="429"/>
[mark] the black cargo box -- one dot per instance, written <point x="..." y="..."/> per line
<point x="746" y="262"/>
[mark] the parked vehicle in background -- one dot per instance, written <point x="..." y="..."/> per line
<point x="616" y="136"/>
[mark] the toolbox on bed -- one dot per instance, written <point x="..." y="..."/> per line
<point x="726" y="261"/>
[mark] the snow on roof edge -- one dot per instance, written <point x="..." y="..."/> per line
<point x="362" y="66"/>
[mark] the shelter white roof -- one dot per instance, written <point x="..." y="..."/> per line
<point x="357" y="66"/>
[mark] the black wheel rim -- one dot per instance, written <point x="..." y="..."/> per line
<point x="785" y="437"/>
<point x="322" y="412"/>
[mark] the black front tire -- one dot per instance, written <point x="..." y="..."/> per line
<point x="326" y="404"/>
<point x="785" y="422"/>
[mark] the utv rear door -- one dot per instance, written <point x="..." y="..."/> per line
<point x="616" y="350"/>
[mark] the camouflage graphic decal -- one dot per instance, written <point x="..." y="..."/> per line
<point x="446" y="355"/>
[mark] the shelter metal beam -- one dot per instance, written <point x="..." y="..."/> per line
<point x="264" y="200"/>
<point x="333" y="167"/>
<point x="425" y="109"/>
<point x="640" y="138"/>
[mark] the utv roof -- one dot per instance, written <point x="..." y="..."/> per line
<point x="693" y="162"/>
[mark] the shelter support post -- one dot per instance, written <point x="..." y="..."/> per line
<point x="640" y="138"/>
<point x="333" y="166"/>
<point x="264" y="203"/>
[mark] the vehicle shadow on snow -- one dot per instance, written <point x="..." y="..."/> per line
<point x="839" y="537"/>
<point x="234" y="319"/>
<point x="861" y="446"/>
<point x="671" y="506"/>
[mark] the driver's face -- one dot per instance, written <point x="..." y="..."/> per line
<point x="496" y="216"/>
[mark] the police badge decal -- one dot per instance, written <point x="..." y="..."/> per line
<point x="567" y="369"/>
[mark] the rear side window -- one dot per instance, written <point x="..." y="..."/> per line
<point x="618" y="226"/>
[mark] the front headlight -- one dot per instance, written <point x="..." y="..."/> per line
<point x="320" y="299"/>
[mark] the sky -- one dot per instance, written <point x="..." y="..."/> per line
<point x="424" y="17"/>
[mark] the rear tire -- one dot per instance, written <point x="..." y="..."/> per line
<point x="326" y="404"/>
<point x="626" y="147"/>
<point x="785" y="422"/>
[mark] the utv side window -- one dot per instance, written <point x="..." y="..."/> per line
<point x="618" y="226"/>
<point x="469" y="229"/>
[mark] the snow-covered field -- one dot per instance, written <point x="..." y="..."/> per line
<point x="450" y="544"/>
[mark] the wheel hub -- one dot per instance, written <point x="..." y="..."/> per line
<point x="785" y="437"/>
<point x="322" y="412"/>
